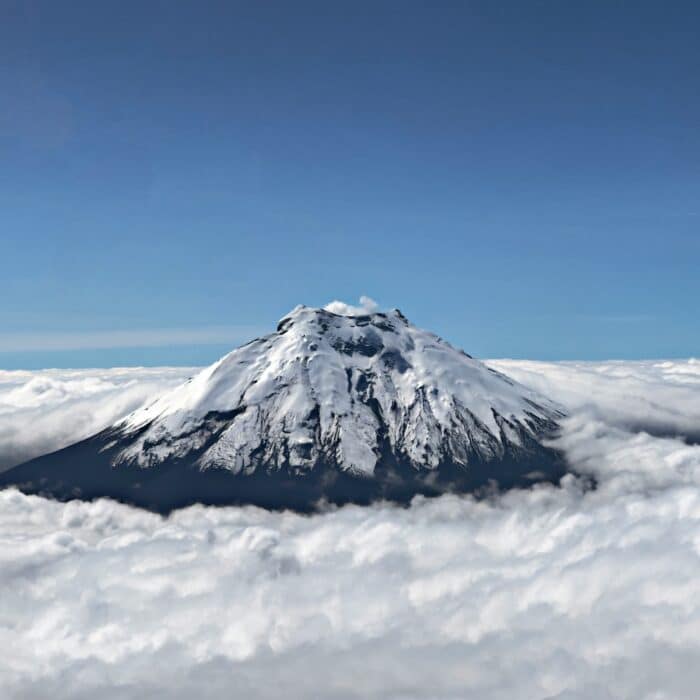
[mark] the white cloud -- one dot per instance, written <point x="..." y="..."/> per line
<point x="551" y="593"/>
<point x="660" y="396"/>
<point x="138" y="338"/>
<point x="45" y="410"/>
<point x="367" y="306"/>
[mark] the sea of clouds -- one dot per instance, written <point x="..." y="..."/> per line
<point x="557" y="592"/>
<point x="42" y="411"/>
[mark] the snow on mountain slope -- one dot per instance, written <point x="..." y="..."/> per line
<point x="340" y="390"/>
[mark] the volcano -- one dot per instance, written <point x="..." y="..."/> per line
<point x="330" y="407"/>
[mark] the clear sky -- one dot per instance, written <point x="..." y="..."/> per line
<point x="521" y="177"/>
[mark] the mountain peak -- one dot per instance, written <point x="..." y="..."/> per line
<point x="323" y="319"/>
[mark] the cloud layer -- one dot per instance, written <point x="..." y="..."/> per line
<point x="46" y="410"/>
<point x="661" y="397"/>
<point x="551" y="593"/>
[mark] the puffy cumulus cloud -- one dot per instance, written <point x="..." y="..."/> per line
<point x="49" y="409"/>
<point x="367" y="306"/>
<point x="563" y="593"/>
<point x="550" y="593"/>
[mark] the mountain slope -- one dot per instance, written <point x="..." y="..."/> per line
<point x="344" y="407"/>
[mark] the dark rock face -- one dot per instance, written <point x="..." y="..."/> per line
<point x="393" y="359"/>
<point x="367" y="344"/>
<point x="85" y="471"/>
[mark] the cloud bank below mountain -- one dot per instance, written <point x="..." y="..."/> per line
<point x="45" y="410"/>
<point x="660" y="397"/>
<point x="562" y="593"/>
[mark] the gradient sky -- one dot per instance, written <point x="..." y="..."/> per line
<point x="521" y="177"/>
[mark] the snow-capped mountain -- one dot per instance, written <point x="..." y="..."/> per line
<point x="329" y="388"/>
<point x="346" y="407"/>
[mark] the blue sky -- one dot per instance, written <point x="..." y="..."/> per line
<point x="522" y="178"/>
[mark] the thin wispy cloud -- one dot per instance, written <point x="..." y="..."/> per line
<point x="128" y="338"/>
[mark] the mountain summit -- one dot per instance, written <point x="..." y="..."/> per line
<point x="344" y="407"/>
